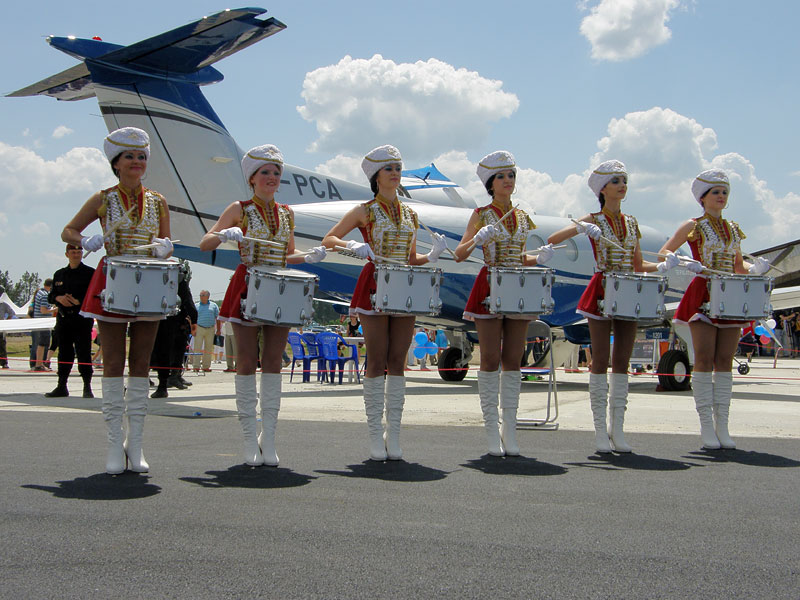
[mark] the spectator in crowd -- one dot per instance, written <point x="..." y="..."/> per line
<point x="207" y="328"/>
<point x="6" y="312"/>
<point x="230" y="347"/>
<point x="73" y="331"/>
<point x="41" y="338"/>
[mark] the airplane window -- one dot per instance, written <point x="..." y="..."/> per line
<point x="571" y="251"/>
<point x="534" y="241"/>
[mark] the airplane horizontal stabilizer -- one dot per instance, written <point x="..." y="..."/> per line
<point x="72" y="84"/>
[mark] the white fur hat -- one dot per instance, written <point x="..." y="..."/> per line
<point x="379" y="157"/>
<point x="604" y="173"/>
<point x="707" y="180"/>
<point x="127" y="138"/>
<point x="490" y="164"/>
<point x="256" y="157"/>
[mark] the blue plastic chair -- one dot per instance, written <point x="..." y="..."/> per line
<point x="329" y="349"/>
<point x="299" y="354"/>
<point x="310" y="338"/>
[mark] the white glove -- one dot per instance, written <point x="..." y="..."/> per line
<point x="485" y="234"/>
<point x="439" y="245"/>
<point x="590" y="229"/>
<point x="165" y="249"/>
<point x="759" y="266"/>
<point x="670" y="262"/>
<point x="546" y="254"/>
<point x="232" y="234"/>
<point x="694" y="266"/>
<point x="360" y="249"/>
<point x="92" y="243"/>
<point x="317" y="254"/>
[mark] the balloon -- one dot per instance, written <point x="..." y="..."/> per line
<point x="421" y="339"/>
<point x="771" y="323"/>
<point x="760" y="330"/>
<point x="419" y="352"/>
<point x="764" y="339"/>
<point x="431" y="348"/>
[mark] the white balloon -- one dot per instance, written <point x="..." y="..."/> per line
<point x="771" y="323"/>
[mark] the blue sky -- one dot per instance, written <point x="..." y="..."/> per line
<point x="669" y="87"/>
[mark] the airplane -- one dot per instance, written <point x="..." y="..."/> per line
<point x="155" y="85"/>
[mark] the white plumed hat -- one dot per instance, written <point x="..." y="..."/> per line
<point x="604" y="173"/>
<point x="379" y="157"/>
<point x="707" y="180"/>
<point x="502" y="160"/>
<point x="127" y="138"/>
<point x="256" y="157"/>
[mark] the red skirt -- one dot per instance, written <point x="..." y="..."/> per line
<point x="689" y="308"/>
<point x="92" y="306"/>
<point x="366" y="286"/>
<point x="587" y="306"/>
<point x="231" y="309"/>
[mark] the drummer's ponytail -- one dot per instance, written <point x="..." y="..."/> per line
<point x="602" y="199"/>
<point x="490" y="185"/>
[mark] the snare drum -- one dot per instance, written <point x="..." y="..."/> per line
<point x="743" y="297"/>
<point x="141" y="286"/>
<point x="279" y="296"/>
<point x="517" y="291"/>
<point x="407" y="289"/>
<point x="633" y="297"/>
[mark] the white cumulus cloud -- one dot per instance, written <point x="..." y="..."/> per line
<point x="39" y="228"/>
<point x="61" y="131"/>
<point x="25" y="175"/>
<point x="623" y="29"/>
<point x="420" y="107"/>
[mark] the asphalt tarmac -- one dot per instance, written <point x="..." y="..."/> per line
<point x="449" y="521"/>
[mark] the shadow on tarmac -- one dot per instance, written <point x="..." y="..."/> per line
<point x="126" y="486"/>
<point x="245" y="476"/>
<point x="513" y="465"/>
<point x="751" y="458"/>
<point x="391" y="470"/>
<point x="640" y="462"/>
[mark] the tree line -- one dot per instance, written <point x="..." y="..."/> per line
<point x="23" y="290"/>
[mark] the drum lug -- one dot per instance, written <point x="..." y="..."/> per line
<point x="521" y="304"/>
<point x="409" y="303"/>
<point x="616" y="284"/>
<point x="278" y="315"/>
<point x="282" y="287"/>
<point x="499" y="278"/>
<point x="254" y="308"/>
<point x="638" y="291"/>
<point x="433" y="279"/>
<point x="306" y="287"/>
<point x="410" y="278"/>
<point x="744" y="308"/>
<point x="385" y="300"/>
<point x="303" y="316"/>
<point x="109" y="298"/>
<point x="165" y="277"/>
<point x="722" y="285"/>
<point x="164" y="304"/>
<point x="522" y="280"/>
<point x="614" y="306"/>
<point x="112" y="273"/>
<point x="138" y="275"/>
<point x="722" y="305"/>
<point x="257" y="283"/>
<point x="638" y="307"/>
<point x="746" y="286"/>
<point x="136" y="303"/>
<point x="386" y="277"/>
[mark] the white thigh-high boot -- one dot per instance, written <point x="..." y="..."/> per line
<point x="270" y="405"/>
<point x="246" y="401"/>
<point x="488" y="390"/>
<point x="703" y="391"/>
<point x="723" y="390"/>
<point x="510" y="384"/>
<point x="136" y="409"/>
<point x="113" y="408"/>
<point x="373" y="406"/>
<point x="395" y="400"/>
<point x="617" y="404"/>
<point x="598" y="399"/>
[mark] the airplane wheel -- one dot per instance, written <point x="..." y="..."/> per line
<point x="450" y="367"/>
<point x="675" y="365"/>
<point x="743" y="368"/>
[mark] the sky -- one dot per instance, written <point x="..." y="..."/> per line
<point x="669" y="87"/>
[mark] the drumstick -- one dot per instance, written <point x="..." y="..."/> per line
<point x="605" y="239"/>
<point x="116" y="226"/>
<point x="771" y="266"/>
<point x="347" y="252"/>
<point x="251" y="239"/>
<point x="428" y="229"/>
<point x="536" y="252"/>
<point x="299" y="254"/>
<point x="473" y="243"/>
<point x="153" y="245"/>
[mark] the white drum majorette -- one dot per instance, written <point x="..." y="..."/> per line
<point x="502" y="308"/>
<point x="716" y="322"/>
<point x="264" y="231"/>
<point x="615" y="241"/>
<point x="131" y="216"/>
<point x="389" y="228"/>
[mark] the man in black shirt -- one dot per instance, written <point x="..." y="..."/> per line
<point x="74" y="331"/>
